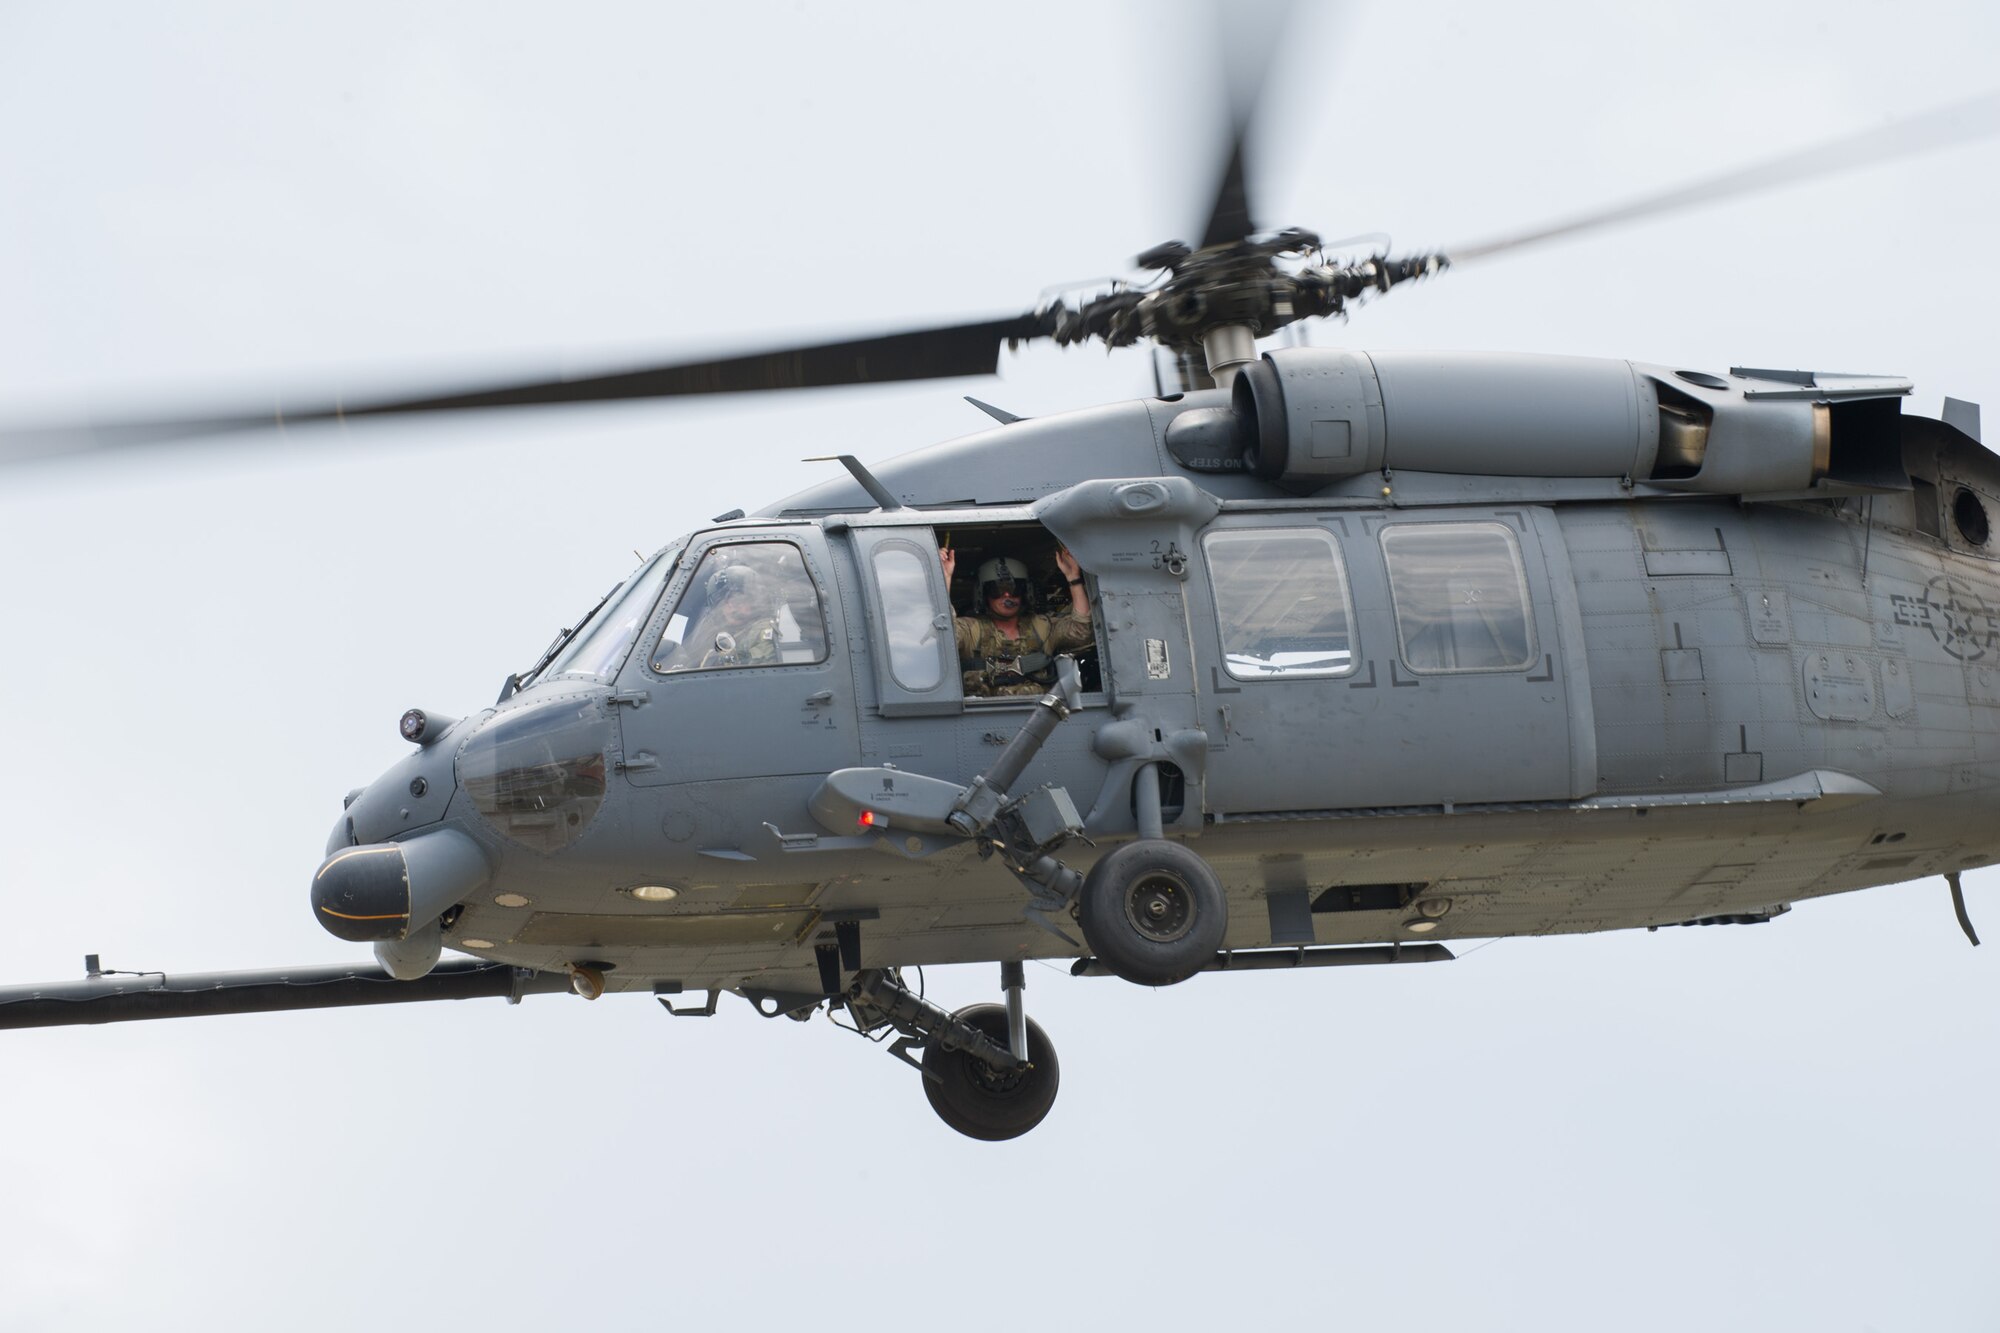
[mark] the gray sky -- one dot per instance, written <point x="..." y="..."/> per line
<point x="1734" y="1128"/>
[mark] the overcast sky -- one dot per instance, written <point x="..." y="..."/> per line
<point x="1780" y="1127"/>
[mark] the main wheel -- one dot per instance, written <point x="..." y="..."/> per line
<point x="1153" y="912"/>
<point x="982" y="1102"/>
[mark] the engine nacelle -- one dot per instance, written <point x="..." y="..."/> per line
<point x="1305" y="418"/>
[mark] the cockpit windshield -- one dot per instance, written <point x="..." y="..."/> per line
<point x="599" y="646"/>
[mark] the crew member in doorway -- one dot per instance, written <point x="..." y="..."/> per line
<point x="1007" y="648"/>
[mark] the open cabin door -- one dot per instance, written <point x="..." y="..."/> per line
<point x="1419" y="658"/>
<point x="909" y="621"/>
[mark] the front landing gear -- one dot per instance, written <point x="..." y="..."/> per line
<point x="990" y="1071"/>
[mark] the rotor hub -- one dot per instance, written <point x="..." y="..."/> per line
<point x="1259" y="284"/>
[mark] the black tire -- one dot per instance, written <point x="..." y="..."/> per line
<point x="1153" y="912"/>
<point x="981" y="1102"/>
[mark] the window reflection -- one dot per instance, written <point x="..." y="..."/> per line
<point x="600" y="649"/>
<point x="748" y="604"/>
<point x="903" y="577"/>
<point x="1460" y="596"/>
<point x="1281" y="603"/>
<point x="537" y="774"/>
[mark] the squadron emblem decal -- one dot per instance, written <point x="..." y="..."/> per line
<point x="1963" y="625"/>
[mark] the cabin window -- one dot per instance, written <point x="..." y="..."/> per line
<point x="1281" y="601"/>
<point x="1460" y="595"/>
<point x="749" y="604"/>
<point x="1970" y="516"/>
<point x="910" y="620"/>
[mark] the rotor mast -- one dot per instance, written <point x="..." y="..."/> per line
<point x="1228" y="347"/>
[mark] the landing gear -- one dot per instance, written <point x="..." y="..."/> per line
<point x="980" y="1101"/>
<point x="1153" y="912"/>
<point x="989" y="1070"/>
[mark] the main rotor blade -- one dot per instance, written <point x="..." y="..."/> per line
<point x="1229" y="217"/>
<point x="940" y="353"/>
<point x="1248" y="37"/>
<point x="1946" y="126"/>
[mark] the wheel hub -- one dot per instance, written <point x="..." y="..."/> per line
<point x="1160" y="907"/>
<point x="998" y="1082"/>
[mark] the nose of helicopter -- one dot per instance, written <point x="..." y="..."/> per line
<point x="393" y="891"/>
<point x="413" y="794"/>
<point x="391" y="865"/>
<point x="533" y="771"/>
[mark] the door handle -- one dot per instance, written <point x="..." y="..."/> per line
<point x="818" y="697"/>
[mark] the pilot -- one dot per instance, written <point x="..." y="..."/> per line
<point x="1008" y="649"/>
<point x="737" y="624"/>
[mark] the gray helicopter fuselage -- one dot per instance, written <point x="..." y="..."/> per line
<point x="1465" y="645"/>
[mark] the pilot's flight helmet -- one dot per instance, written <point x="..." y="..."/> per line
<point x="1000" y="575"/>
<point x="732" y="580"/>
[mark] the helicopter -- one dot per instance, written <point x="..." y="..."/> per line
<point x="1243" y="576"/>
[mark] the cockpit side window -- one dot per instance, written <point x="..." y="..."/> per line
<point x="1461" y="597"/>
<point x="1281" y="603"/>
<point x="749" y="604"/>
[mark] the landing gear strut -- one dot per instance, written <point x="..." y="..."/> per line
<point x="1152" y="910"/>
<point x="989" y="1070"/>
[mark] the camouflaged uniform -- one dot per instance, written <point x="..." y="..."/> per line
<point x="754" y="646"/>
<point x="980" y="641"/>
